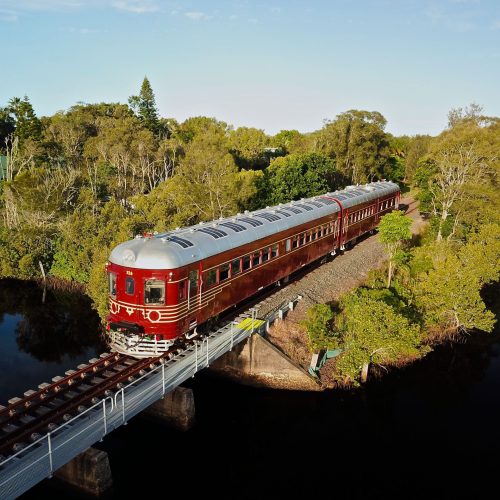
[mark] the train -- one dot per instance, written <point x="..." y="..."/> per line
<point x="163" y="287"/>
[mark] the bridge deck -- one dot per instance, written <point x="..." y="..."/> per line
<point x="39" y="460"/>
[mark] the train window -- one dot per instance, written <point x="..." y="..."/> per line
<point x="129" y="286"/>
<point x="182" y="290"/>
<point x="224" y="272"/>
<point x="295" y="242"/>
<point x="235" y="267"/>
<point x="302" y="239"/>
<point x="112" y="284"/>
<point x="288" y="245"/>
<point x="245" y="262"/>
<point x="313" y="235"/>
<point x="193" y="282"/>
<point x="274" y="251"/>
<point x="255" y="259"/>
<point x="210" y="277"/>
<point x="154" y="292"/>
<point x="265" y="254"/>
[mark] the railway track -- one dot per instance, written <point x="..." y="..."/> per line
<point x="40" y="411"/>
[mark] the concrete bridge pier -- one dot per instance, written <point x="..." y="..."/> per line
<point x="88" y="472"/>
<point x="176" y="409"/>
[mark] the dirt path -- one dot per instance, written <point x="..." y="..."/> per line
<point x="327" y="283"/>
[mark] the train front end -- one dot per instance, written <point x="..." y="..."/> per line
<point x="143" y="298"/>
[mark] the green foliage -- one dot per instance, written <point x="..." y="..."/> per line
<point x="358" y="143"/>
<point x="373" y="332"/>
<point x="394" y="229"/>
<point x="144" y="105"/>
<point x="248" y="146"/>
<point x="27" y="125"/>
<point x="299" y="176"/>
<point x="448" y="294"/>
<point x="318" y="328"/>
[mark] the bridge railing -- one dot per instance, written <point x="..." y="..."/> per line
<point x="40" y="459"/>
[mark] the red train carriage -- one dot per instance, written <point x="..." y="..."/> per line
<point x="164" y="286"/>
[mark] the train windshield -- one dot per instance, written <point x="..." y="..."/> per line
<point x="154" y="292"/>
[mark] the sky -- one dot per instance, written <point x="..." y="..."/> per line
<point x="273" y="65"/>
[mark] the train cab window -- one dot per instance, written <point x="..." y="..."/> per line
<point x="210" y="277"/>
<point x="274" y="251"/>
<point x="288" y="245"/>
<point x="154" y="292"/>
<point x="235" y="267"/>
<point x="265" y="254"/>
<point x="129" y="286"/>
<point x="224" y="272"/>
<point x="245" y="262"/>
<point x="295" y="242"/>
<point x="112" y="284"/>
<point x="255" y="259"/>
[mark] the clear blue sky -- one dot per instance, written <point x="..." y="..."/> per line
<point x="272" y="64"/>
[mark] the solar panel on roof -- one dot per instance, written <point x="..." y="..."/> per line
<point x="180" y="241"/>
<point x="215" y="233"/>
<point x="252" y="222"/>
<point x="315" y="203"/>
<point x="235" y="227"/>
<point x="294" y="210"/>
<point x="305" y="207"/>
<point x="328" y="201"/>
<point x="268" y="216"/>
<point x="282" y="212"/>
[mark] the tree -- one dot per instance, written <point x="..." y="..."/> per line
<point x="449" y="294"/>
<point x="28" y="126"/>
<point x="7" y="126"/>
<point x="144" y="106"/>
<point x="457" y="165"/>
<point x="473" y="112"/>
<point x="248" y="146"/>
<point x="373" y="332"/>
<point x="318" y="327"/>
<point x="299" y="176"/>
<point x="394" y="229"/>
<point x="358" y="143"/>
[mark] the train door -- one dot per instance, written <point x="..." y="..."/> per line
<point x="193" y="297"/>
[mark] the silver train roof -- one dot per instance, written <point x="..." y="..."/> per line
<point x="184" y="246"/>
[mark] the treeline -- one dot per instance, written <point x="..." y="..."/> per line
<point x="432" y="288"/>
<point x="81" y="181"/>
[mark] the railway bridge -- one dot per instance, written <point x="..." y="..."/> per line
<point x="47" y="428"/>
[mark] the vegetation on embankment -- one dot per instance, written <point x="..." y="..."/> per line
<point x="435" y="296"/>
<point x="83" y="180"/>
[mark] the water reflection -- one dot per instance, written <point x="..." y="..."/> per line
<point x="42" y="334"/>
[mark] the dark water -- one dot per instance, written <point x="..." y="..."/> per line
<point x="429" y="431"/>
<point x="41" y="337"/>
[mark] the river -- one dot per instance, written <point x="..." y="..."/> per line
<point x="429" y="430"/>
